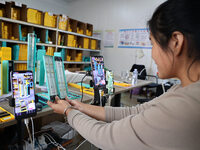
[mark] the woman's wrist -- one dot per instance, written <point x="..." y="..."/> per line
<point x="66" y="113"/>
<point x="67" y="110"/>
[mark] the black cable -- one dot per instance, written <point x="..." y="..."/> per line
<point x="82" y="86"/>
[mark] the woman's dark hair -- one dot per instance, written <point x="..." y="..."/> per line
<point x="178" y="15"/>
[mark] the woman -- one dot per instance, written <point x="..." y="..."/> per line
<point x="169" y="122"/>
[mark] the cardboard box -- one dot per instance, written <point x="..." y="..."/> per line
<point x="15" y="32"/>
<point x="89" y="29"/>
<point x="72" y="25"/>
<point x="80" y="42"/>
<point x="15" y="10"/>
<point x="2" y="10"/>
<point x="52" y="36"/>
<point x="81" y="27"/>
<point x="5" y="30"/>
<point x="46" y="36"/>
<point x="61" y="38"/>
<point x="41" y="34"/>
<point x="23" y="32"/>
<point x="72" y="54"/>
<point x="79" y="56"/>
<point x="9" y="30"/>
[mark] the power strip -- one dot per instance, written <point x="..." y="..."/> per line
<point x="39" y="144"/>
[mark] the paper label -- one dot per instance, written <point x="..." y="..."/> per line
<point x="64" y="17"/>
<point x="50" y="14"/>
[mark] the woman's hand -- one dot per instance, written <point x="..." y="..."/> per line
<point x="59" y="105"/>
<point x="76" y="104"/>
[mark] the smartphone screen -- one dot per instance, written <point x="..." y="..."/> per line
<point x="97" y="65"/>
<point x="23" y="94"/>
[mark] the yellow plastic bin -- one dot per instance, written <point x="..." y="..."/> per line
<point x="93" y="44"/>
<point x="62" y="22"/>
<point x="34" y="16"/>
<point x="5" y="53"/>
<point x="50" y="19"/>
<point x="86" y="43"/>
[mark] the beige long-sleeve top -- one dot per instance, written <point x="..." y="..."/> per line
<point x="169" y="122"/>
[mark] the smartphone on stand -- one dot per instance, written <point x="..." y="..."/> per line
<point x="23" y="94"/>
<point x="98" y="73"/>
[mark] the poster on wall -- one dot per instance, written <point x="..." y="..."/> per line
<point x="134" y="38"/>
<point x="97" y="34"/>
<point x="109" y="38"/>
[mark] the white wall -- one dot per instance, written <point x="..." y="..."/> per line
<point x="54" y="6"/>
<point x="117" y="14"/>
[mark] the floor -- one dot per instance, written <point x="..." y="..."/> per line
<point x="126" y="101"/>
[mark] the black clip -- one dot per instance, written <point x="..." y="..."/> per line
<point x="12" y="102"/>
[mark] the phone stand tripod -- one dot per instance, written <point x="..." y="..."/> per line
<point x="99" y="99"/>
